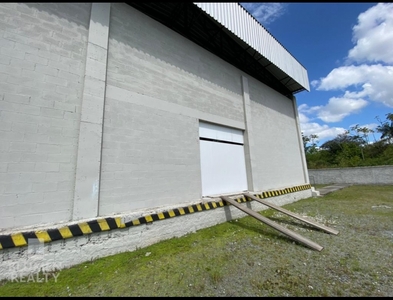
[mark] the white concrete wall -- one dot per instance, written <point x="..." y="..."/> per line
<point x="276" y="150"/>
<point x="148" y="58"/>
<point x="42" y="63"/>
<point x="159" y="86"/>
<point x="156" y="86"/>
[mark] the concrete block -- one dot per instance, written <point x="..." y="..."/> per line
<point x="33" y="157"/>
<point x="18" y="187"/>
<point x="16" y="37"/>
<point x="53" y="96"/>
<point x="7" y="44"/>
<point x="24" y="128"/>
<point x="67" y="167"/>
<point x="74" y="64"/>
<point x="70" y="92"/>
<point x="52" y="112"/>
<point x="48" y="148"/>
<point x="37" y="59"/>
<point x="35" y="138"/>
<point x="5" y="126"/>
<point x="63" y="199"/>
<point x="24" y="64"/>
<point x="30" y="198"/>
<point x="45" y="69"/>
<point x="47" y="54"/>
<point x="61" y="158"/>
<point x="5" y="60"/>
<point x="62" y="140"/>
<point x="70" y="77"/>
<point x="43" y="187"/>
<point x="4" y="146"/>
<point x="10" y="157"/>
<point x="28" y="218"/>
<point x="13" y="53"/>
<point x="27" y="49"/>
<point x="29" y="91"/>
<point x="23" y="147"/>
<point x="66" y="186"/>
<point x="55" y="80"/>
<point x="46" y="167"/>
<point x="19" y="80"/>
<point x="52" y="26"/>
<point x="40" y="102"/>
<point x="3" y="167"/>
<point x="71" y="34"/>
<point x="71" y="115"/>
<point x="74" y="48"/>
<point x="11" y="70"/>
<point x="8" y="199"/>
<point x="58" y="65"/>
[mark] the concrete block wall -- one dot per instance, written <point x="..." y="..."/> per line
<point x="148" y="58"/>
<point x="159" y="85"/>
<point x="95" y="124"/>
<point x="275" y="136"/>
<point x="355" y="175"/>
<point x="149" y="158"/>
<point x="42" y="63"/>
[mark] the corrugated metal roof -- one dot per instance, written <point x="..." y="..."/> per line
<point x="239" y="22"/>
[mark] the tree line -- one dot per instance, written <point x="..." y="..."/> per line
<point x="353" y="148"/>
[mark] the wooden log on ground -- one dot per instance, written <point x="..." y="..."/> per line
<point x="282" y="229"/>
<point x="292" y="214"/>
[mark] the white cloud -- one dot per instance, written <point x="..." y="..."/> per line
<point x="336" y="109"/>
<point x="324" y="132"/>
<point x="375" y="81"/>
<point x="265" y="13"/>
<point x="373" y="38"/>
<point x="314" y="83"/>
<point x="373" y="35"/>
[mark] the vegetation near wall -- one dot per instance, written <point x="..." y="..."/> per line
<point x="352" y="148"/>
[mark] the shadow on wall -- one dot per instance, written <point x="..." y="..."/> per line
<point x="137" y="44"/>
<point x="72" y="13"/>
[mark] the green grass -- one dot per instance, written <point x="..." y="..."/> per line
<point x="245" y="257"/>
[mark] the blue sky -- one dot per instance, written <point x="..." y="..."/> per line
<point x="347" y="50"/>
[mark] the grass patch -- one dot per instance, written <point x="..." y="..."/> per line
<point x="245" y="257"/>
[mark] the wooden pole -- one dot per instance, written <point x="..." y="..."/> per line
<point x="292" y="214"/>
<point x="286" y="231"/>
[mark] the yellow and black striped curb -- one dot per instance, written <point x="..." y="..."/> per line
<point x="104" y="224"/>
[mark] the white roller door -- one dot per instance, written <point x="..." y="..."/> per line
<point x="223" y="167"/>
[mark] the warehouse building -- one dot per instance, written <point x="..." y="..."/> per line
<point x="121" y="124"/>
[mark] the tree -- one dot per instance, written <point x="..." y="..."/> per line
<point x="313" y="139"/>
<point x="345" y="149"/>
<point x="386" y="128"/>
<point x="365" y="131"/>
